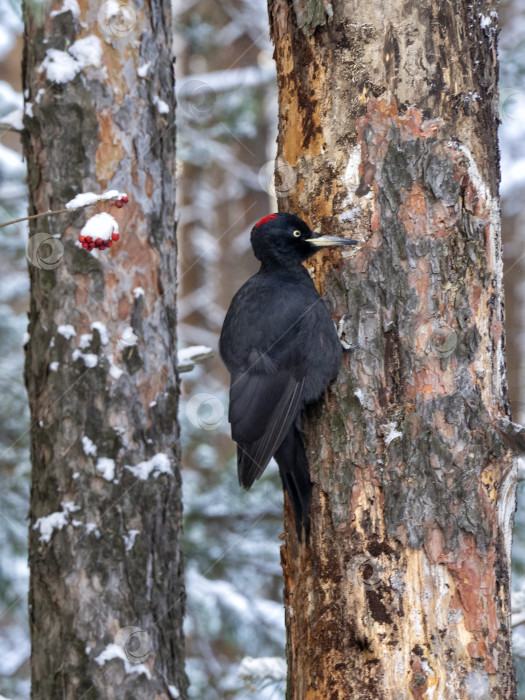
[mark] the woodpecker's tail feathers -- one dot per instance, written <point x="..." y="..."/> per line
<point x="258" y="442"/>
<point x="295" y="475"/>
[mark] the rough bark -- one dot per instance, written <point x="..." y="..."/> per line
<point x="106" y="591"/>
<point x="388" y="116"/>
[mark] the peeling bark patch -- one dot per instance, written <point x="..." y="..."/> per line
<point x="476" y="596"/>
<point x="109" y="152"/>
<point x="305" y="102"/>
<point x="132" y="358"/>
<point x="312" y="13"/>
<point x="377" y="608"/>
<point x="377" y="548"/>
<point x="418" y="178"/>
<point x="365" y="180"/>
<point x="311" y="127"/>
<point x="419" y="682"/>
<point x="391" y="54"/>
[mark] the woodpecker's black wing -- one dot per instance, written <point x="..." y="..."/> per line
<point x="263" y="407"/>
<point x="262" y="344"/>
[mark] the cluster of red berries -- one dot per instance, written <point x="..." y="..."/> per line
<point x="101" y="243"/>
<point x="120" y="202"/>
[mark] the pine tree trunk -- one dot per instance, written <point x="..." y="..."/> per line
<point x="388" y="119"/>
<point x="106" y="591"/>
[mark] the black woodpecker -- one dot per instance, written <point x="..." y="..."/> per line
<point x="281" y="348"/>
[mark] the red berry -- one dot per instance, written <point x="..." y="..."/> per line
<point x="115" y="236"/>
<point x="124" y="199"/>
<point x="88" y="239"/>
<point x="98" y="241"/>
<point x="102" y="247"/>
<point x="109" y="244"/>
<point x="84" y="245"/>
<point x="81" y="239"/>
<point x="119" y="204"/>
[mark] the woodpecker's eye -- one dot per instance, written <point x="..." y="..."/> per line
<point x="296" y="234"/>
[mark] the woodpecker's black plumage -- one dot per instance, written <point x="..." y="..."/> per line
<point x="282" y="350"/>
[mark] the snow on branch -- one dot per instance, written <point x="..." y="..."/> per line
<point x="189" y="357"/>
<point x="225" y="81"/>
<point x="12" y="121"/>
<point x="85" y="199"/>
<point x="259" y="673"/>
<point x="81" y="201"/>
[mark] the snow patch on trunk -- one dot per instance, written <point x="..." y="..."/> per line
<point x="114" y="651"/>
<point x="392" y="434"/>
<point x="55" y="521"/>
<point x="106" y="468"/>
<point x="64" y="66"/>
<point x="159" y="464"/>
<point x="67" y="331"/>
<point x="89" y="446"/>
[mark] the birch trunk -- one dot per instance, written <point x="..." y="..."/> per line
<point x="106" y="591"/>
<point x="388" y="118"/>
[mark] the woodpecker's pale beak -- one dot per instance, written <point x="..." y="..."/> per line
<point x="325" y="241"/>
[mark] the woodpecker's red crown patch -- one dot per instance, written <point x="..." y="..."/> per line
<point x="269" y="217"/>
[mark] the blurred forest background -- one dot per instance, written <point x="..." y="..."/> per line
<point x="227" y="112"/>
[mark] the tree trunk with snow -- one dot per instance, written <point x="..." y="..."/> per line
<point x="106" y="592"/>
<point x="388" y="120"/>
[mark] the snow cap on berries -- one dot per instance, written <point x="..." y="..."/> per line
<point x="99" y="232"/>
